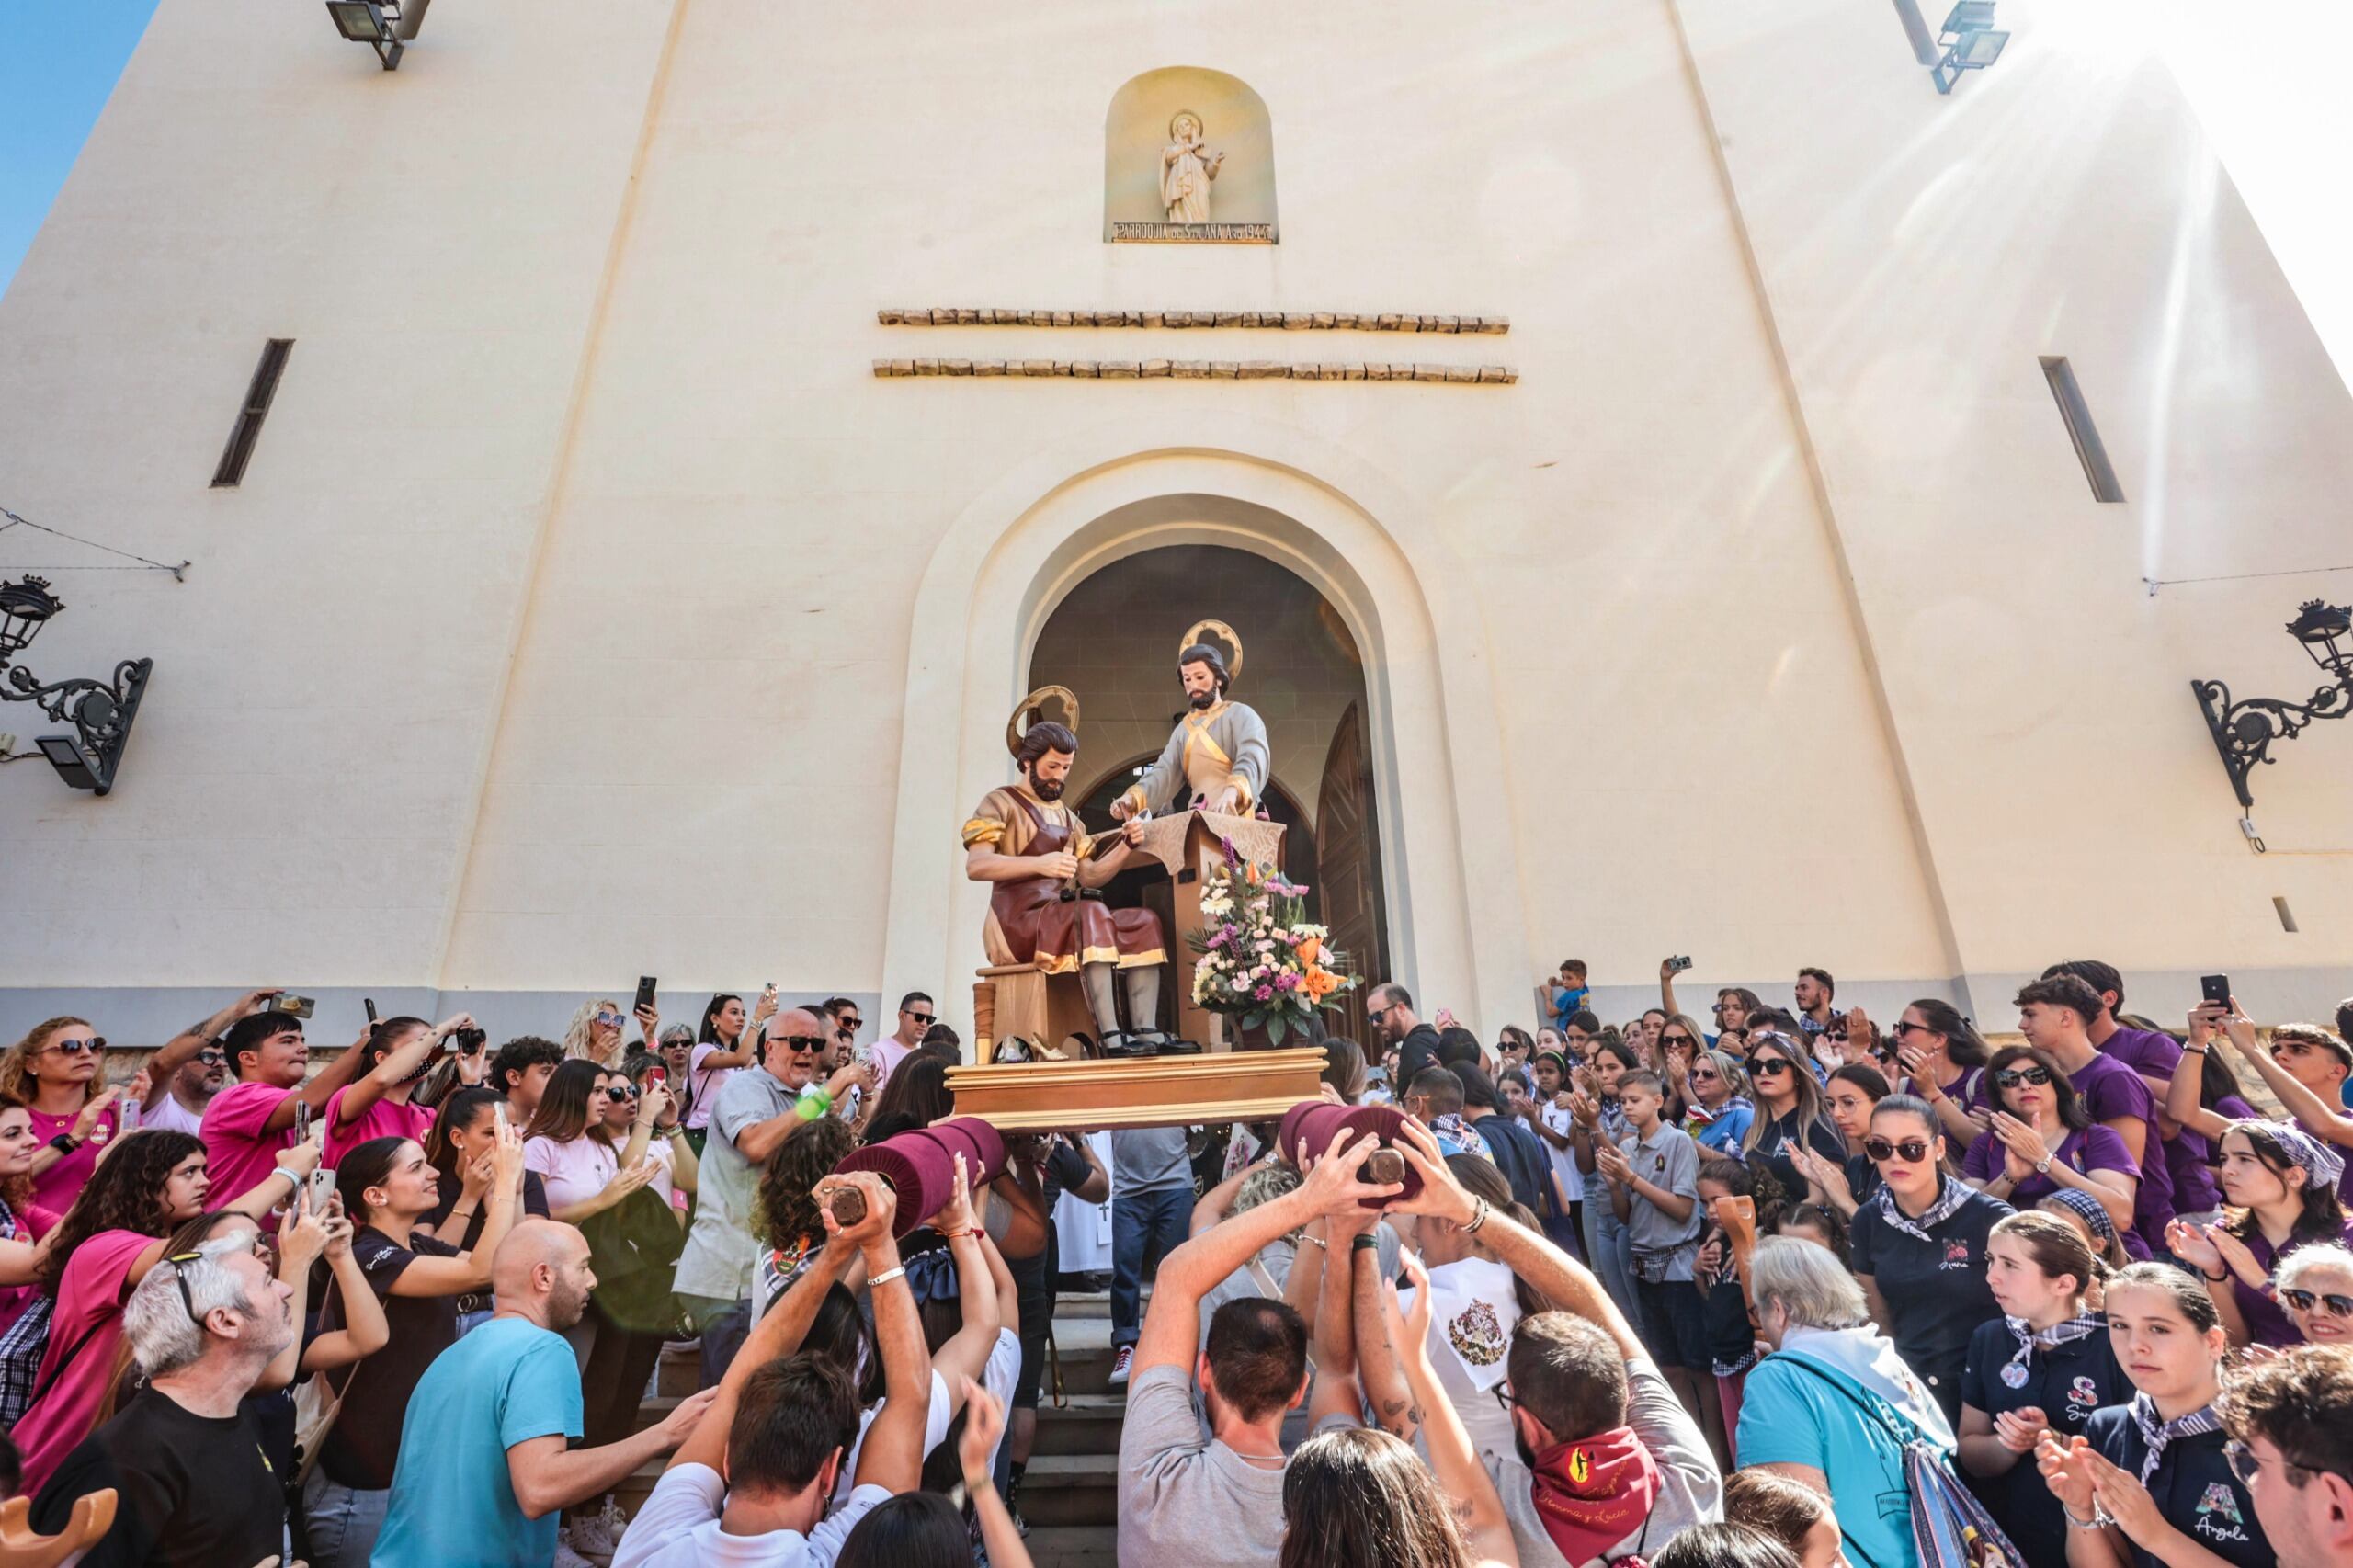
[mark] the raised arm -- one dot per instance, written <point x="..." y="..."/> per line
<point x="2186" y="1087"/>
<point x="1536" y="1261"/>
<point x="322" y="1085"/>
<point x="1336" y="1334"/>
<point x="178" y="1050"/>
<point x="966" y="1353"/>
<point x="1172" y="1324"/>
<point x="366" y="1330"/>
<point x="1386" y="1392"/>
<point x="892" y="1455"/>
<point x="369" y="1087"/>
<point x="1460" y="1474"/>
<point x="2318" y="1117"/>
<point x="470" y="1270"/>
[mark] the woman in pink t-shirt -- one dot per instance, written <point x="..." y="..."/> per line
<point x="22" y="1222"/>
<point x="58" y="1070"/>
<point x="104" y="1244"/>
<point x="392" y="1064"/>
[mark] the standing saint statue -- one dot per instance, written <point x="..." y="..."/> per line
<point x="1217" y="757"/>
<point x="1187" y="167"/>
<point x="1046" y="873"/>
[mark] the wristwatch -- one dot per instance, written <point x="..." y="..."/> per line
<point x="2042" y="1165"/>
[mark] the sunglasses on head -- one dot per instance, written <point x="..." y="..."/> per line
<point x="96" y="1044"/>
<point x="2304" y="1300"/>
<point x="2011" y="1077"/>
<point x="1914" y="1150"/>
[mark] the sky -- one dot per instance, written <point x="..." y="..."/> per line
<point x="59" y="59"/>
<point x="2263" y="75"/>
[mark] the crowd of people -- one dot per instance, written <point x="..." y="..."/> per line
<point x="1787" y="1287"/>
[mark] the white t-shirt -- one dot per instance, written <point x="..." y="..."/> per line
<point x="1003" y="1369"/>
<point x="703" y="1084"/>
<point x="935" y="1432"/>
<point x="572" y="1172"/>
<point x="677" y="1527"/>
<point x="1472" y="1314"/>
<point x="1564" y="1161"/>
<point x="168" y="1115"/>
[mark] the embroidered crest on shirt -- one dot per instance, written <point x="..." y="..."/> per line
<point x="1476" y="1334"/>
<point x="1956" y="1256"/>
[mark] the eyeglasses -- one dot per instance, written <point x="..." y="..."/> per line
<point x="621" y="1092"/>
<point x="1682" y="1040"/>
<point x="2304" y="1300"/>
<point x="610" y="1020"/>
<point x="1769" y="1068"/>
<point x="1377" y="1013"/>
<point x="2011" y="1077"/>
<point x="1912" y="1148"/>
<point x="2246" y="1463"/>
<point x="209" y="1058"/>
<point x="853" y="1023"/>
<point x="924" y="1018"/>
<point x="1900" y="1029"/>
<point x="1705" y="1074"/>
<point x="800" y="1043"/>
<point x="1503" y="1398"/>
<point x="96" y="1044"/>
<point x="180" y="1260"/>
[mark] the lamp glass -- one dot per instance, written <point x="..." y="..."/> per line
<point x="1978" y="50"/>
<point x="358" y="20"/>
<point x="68" y="759"/>
<point x="1970" y="16"/>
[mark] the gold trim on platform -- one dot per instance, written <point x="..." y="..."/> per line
<point x="1161" y="1091"/>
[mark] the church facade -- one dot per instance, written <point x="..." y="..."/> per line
<point x="1644" y="420"/>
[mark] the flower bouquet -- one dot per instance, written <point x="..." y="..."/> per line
<point x="1262" y="963"/>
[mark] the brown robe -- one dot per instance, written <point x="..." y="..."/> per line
<point x="1030" y="920"/>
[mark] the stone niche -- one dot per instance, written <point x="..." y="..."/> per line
<point x="1144" y="129"/>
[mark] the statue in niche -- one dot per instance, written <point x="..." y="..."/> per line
<point x="1187" y="167"/>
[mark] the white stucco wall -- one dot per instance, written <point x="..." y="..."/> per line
<point x="590" y="610"/>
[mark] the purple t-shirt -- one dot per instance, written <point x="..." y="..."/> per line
<point x="2096" y="1148"/>
<point x="2111" y="1091"/>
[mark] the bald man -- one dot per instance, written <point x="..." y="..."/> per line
<point x="757" y="1109"/>
<point x="485" y="1454"/>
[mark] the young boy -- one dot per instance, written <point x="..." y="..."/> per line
<point x="1569" y="992"/>
<point x="1655" y="1189"/>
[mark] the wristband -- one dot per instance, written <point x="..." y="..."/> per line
<point x="65" y="1142"/>
<point x="2193" y="1051"/>
<point x="1478" y="1218"/>
<point x="1366" y="1241"/>
<point x="886" y="1276"/>
<point x="294" y="1178"/>
<point x="2216" y="1278"/>
<point x="2100" y="1519"/>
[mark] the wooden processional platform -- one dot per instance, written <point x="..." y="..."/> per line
<point x="1158" y="1091"/>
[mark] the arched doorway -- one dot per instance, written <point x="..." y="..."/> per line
<point x="1113" y="639"/>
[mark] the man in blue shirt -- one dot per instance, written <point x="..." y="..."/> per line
<point x="485" y="1458"/>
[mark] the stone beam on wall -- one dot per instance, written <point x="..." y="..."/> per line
<point x="1288" y="321"/>
<point x="1204" y="369"/>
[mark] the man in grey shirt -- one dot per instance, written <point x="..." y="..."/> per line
<point x="1152" y="1198"/>
<point x="756" y="1110"/>
<point x="1219" y="1504"/>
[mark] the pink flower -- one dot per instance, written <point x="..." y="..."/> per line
<point x="1264" y="994"/>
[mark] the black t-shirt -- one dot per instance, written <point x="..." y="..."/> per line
<point x="1417" y="1050"/>
<point x="365" y="1442"/>
<point x="2193" y="1489"/>
<point x="1519" y="1156"/>
<point x="1819" y="1136"/>
<point x="190" y="1491"/>
<point x="1934" y="1289"/>
<point x="535" y="1202"/>
<point x="2069" y="1383"/>
<point x="1732" y="1338"/>
<point x="1863" y="1178"/>
<point x="1063" y="1168"/>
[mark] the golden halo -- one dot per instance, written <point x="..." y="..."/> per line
<point x="1033" y="709"/>
<point x="1233" y="640"/>
<point x="1186" y="114"/>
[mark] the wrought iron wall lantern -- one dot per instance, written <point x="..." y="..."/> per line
<point x="101" y="711"/>
<point x="2243" y="730"/>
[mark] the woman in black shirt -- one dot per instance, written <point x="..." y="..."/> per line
<point x="1919" y="1248"/>
<point x="2148" y="1483"/>
<point x="1790" y="1110"/>
<point x="2044" y="1364"/>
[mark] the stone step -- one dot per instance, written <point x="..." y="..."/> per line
<point x="1065" y="1490"/>
<point x="1074" y="1546"/>
<point x="1088" y="1424"/>
<point x="679" y="1371"/>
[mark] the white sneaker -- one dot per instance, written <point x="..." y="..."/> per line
<point x="1120" y="1360"/>
<point x="615" y="1524"/>
<point x="566" y="1557"/>
<point x="590" y="1536"/>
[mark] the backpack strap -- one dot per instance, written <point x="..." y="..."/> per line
<point x="58" y="1371"/>
<point x="1879" y="1417"/>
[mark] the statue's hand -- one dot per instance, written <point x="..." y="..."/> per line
<point x="1229" y="800"/>
<point x="1062" y="866"/>
<point x="1121" y="810"/>
<point x="1134" y="834"/>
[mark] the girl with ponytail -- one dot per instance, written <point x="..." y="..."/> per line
<point x="2045" y="1363"/>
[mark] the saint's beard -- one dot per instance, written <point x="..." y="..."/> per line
<point x="1046" y="789"/>
<point x="1199" y="700"/>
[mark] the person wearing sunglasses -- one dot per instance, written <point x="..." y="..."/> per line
<point x="57" y="1071"/>
<point x="2289" y="1424"/>
<point x="1714" y="1089"/>
<point x="1918" y="1248"/>
<point x="751" y="1117"/>
<point x="1790" y="1110"/>
<point x="1943" y="1061"/>
<point x="2042" y="1140"/>
<point x="2056" y="1016"/>
<point x="916" y="1013"/>
<point x="2284" y="1183"/>
<point x="729" y="1041"/>
<point x="594" y="1033"/>
<point x="2149" y="1483"/>
<point x="189" y="1071"/>
<point x="2314" y="1285"/>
